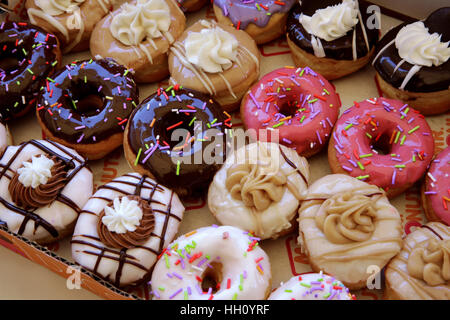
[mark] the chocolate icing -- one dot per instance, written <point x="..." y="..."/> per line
<point x="427" y="79"/>
<point x="193" y="177"/>
<point x="128" y="239"/>
<point x="339" y="49"/>
<point x="106" y="93"/>
<point x="35" y="51"/>
<point x="28" y="197"/>
<point x="244" y="12"/>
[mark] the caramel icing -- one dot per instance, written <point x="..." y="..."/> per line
<point x="43" y="194"/>
<point x="129" y="239"/>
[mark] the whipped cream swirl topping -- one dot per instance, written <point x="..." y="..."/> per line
<point x="35" y="172"/>
<point x="212" y="49"/>
<point x="417" y="46"/>
<point x="143" y="19"/>
<point x="124" y="215"/>
<point x="332" y="22"/>
<point x="57" y="7"/>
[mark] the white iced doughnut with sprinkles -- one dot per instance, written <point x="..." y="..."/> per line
<point x="213" y="263"/>
<point x="312" y="286"/>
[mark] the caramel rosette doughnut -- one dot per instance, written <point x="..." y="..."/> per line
<point x="421" y="271"/>
<point x="347" y="226"/>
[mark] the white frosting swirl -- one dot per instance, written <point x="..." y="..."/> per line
<point x="57" y="7"/>
<point x="332" y="22"/>
<point x="35" y="172"/>
<point x="417" y="46"/>
<point x="212" y="49"/>
<point x="135" y="22"/>
<point x="124" y="216"/>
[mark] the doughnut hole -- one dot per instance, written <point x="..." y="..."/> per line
<point x="168" y="125"/>
<point x="86" y="100"/>
<point x="212" y="277"/>
<point x="381" y="145"/>
<point x="289" y="105"/>
<point x="10" y="62"/>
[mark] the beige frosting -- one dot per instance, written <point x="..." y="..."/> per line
<point x="347" y="217"/>
<point x="347" y="226"/>
<point x="57" y="7"/>
<point x="259" y="188"/>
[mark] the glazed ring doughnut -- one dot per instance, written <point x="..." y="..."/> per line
<point x="215" y="263"/>
<point x="382" y="142"/>
<point x="260" y="188"/>
<point x="143" y="48"/>
<point x="312" y="286"/>
<point x="298" y="107"/>
<point x="86" y="106"/>
<point x="71" y="21"/>
<point x="435" y="188"/>
<point x="168" y="137"/>
<point x="123" y="228"/>
<point x="262" y="25"/>
<point x="29" y="56"/>
<point x="43" y="186"/>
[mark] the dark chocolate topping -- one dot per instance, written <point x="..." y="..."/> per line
<point x="339" y="49"/>
<point x="27" y="58"/>
<point x="163" y="160"/>
<point x="427" y="79"/>
<point x="106" y="95"/>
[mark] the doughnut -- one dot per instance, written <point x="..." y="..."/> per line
<point x="215" y="59"/>
<point x="29" y="56"/>
<point x="177" y="136"/>
<point x="299" y="103"/>
<point x="382" y="142"/>
<point x="435" y="189"/>
<point x="191" y="5"/>
<point x="123" y="228"/>
<point x="72" y="21"/>
<point x="212" y="263"/>
<point x="262" y="25"/>
<point x="43" y="186"/>
<point x="312" y="286"/>
<point x="347" y="226"/>
<point x="260" y="188"/>
<point x="86" y="106"/>
<point x="412" y="63"/>
<point x="142" y="44"/>
<point x="331" y="36"/>
<point x="421" y="271"/>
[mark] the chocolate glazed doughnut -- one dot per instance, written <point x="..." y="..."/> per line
<point x="343" y="55"/>
<point x="184" y="161"/>
<point x="28" y="55"/>
<point x="86" y="106"/>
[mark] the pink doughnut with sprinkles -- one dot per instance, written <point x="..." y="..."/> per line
<point x="436" y="188"/>
<point x="383" y="142"/>
<point x="297" y="106"/>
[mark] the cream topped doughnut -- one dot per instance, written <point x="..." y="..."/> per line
<point x="436" y="188"/>
<point x="215" y="59"/>
<point x="382" y="142"/>
<point x="123" y="228"/>
<point x="312" y="286"/>
<point x="347" y="226"/>
<point x="72" y="21"/>
<point x="260" y="188"/>
<point x="220" y="263"/>
<point x="421" y="271"/>
<point x="138" y="35"/>
<point x="43" y="186"/>
<point x="299" y="103"/>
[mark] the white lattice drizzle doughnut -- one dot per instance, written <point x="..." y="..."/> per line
<point x="347" y="227"/>
<point x="43" y="186"/>
<point x="123" y="228"/>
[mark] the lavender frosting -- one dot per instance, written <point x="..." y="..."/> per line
<point x="243" y="12"/>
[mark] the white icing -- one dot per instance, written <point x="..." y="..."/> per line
<point x="144" y="19"/>
<point x="332" y="22"/>
<point x="35" y="172"/>
<point x="124" y="216"/>
<point x="57" y="7"/>
<point x="212" y="49"/>
<point x="417" y="46"/>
